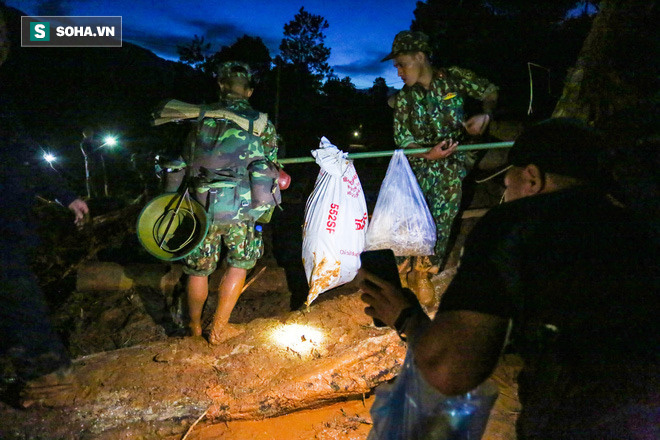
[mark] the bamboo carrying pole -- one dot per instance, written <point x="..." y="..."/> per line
<point x="369" y="154"/>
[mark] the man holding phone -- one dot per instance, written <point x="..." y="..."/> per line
<point x="575" y="273"/>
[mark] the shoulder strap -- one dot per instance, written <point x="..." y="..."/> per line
<point x="256" y="127"/>
<point x="192" y="145"/>
<point x="260" y="123"/>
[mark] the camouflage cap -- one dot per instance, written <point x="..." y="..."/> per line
<point x="565" y="146"/>
<point x="234" y="69"/>
<point x="408" y="41"/>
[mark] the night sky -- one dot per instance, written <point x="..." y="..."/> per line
<point x="360" y="32"/>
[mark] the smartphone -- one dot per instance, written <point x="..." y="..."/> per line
<point x="381" y="263"/>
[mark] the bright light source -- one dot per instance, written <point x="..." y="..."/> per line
<point x="356" y="134"/>
<point x="48" y="157"/>
<point x="299" y="338"/>
<point x="110" y="141"/>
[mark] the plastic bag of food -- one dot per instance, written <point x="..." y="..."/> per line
<point x="411" y="409"/>
<point x="401" y="220"/>
<point x="335" y="222"/>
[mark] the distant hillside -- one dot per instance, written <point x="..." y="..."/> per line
<point x="56" y="92"/>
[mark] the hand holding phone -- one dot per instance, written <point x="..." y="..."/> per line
<point x="381" y="263"/>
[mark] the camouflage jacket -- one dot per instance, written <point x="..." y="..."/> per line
<point x="226" y="158"/>
<point x="426" y="117"/>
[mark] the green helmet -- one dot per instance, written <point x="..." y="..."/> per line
<point x="171" y="226"/>
<point x="409" y="41"/>
<point x="235" y="69"/>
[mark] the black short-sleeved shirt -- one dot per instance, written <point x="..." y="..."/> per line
<point x="579" y="278"/>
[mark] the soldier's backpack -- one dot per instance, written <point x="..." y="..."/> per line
<point x="231" y="175"/>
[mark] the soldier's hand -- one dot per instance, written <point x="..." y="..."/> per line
<point x="441" y="151"/>
<point x="477" y="124"/>
<point x="79" y="209"/>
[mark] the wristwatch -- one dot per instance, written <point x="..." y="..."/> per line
<point x="404" y="319"/>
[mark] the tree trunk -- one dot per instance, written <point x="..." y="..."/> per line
<point x="612" y="70"/>
<point x="614" y="87"/>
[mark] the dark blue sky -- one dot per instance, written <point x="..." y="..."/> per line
<point x="360" y="32"/>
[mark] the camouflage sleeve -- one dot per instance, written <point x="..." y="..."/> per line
<point x="174" y="174"/>
<point x="402" y="134"/>
<point x="269" y="141"/>
<point x="473" y="85"/>
<point x="170" y="165"/>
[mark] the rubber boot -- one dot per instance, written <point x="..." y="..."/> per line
<point x="404" y="269"/>
<point x="419" y="281"/>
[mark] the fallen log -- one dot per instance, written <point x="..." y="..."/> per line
<point x="277" y="365"/>
<point x="108" y="276"/>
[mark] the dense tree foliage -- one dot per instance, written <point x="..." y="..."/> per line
<point x="379" y="90"/>
<point x="194" y="53"/>
<point x="537" y="10"/>
<point x="517" y="44"/>
<point x="303" y="44"/>
<point x="248" y="49"/>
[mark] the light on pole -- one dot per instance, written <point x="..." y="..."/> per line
<point x="109" y="141"/>
<point x="86" y="147"/>
<point x="50" y="158"/>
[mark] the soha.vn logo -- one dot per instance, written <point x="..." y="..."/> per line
<point x="40" y="31"/>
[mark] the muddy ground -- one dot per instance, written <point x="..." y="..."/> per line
<point x="126" y="360"/>
<point x="124" y="325"/>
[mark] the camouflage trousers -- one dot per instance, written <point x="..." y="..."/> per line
<point x="244" y="247"/>
<point x="441" y="183"/>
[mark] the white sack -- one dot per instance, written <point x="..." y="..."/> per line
<point x="335" y="222"/>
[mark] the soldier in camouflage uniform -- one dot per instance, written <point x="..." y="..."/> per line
<point x="429" y="112"/>
<point x="234" y="141"/>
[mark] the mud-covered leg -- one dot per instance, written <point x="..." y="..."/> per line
<point x="229" y="291"/>
<point x="198" y="290"/>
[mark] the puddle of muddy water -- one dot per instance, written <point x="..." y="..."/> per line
<point x="349" y="420"/>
